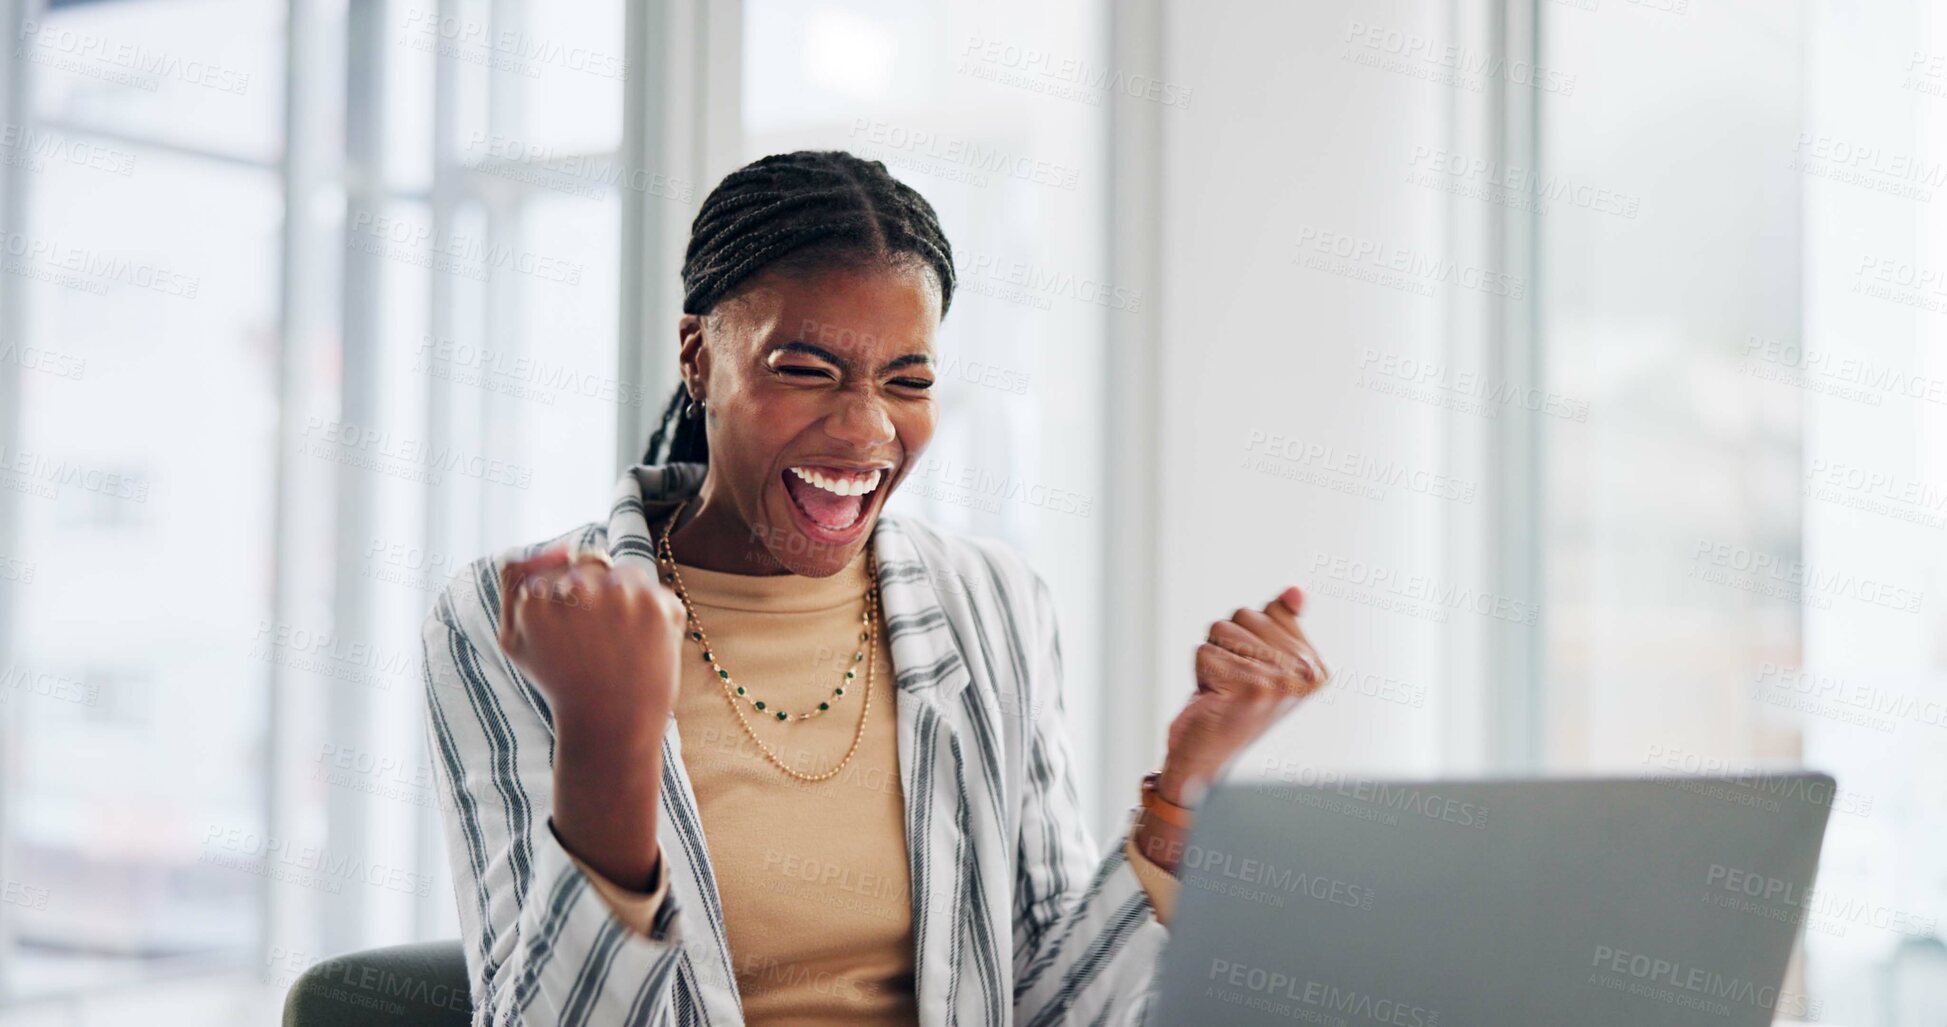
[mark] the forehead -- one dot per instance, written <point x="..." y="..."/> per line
<point x="873" y="313"/>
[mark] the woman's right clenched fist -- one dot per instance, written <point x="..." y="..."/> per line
<point x="601" y="641"/>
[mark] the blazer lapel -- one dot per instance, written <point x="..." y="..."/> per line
<point x="930" y="671"/>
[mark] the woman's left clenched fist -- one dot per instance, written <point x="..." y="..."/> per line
<point x="1251" y="671"/>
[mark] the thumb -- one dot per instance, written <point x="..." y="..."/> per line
<point x="1287" y="606"/>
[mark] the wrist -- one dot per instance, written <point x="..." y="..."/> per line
<point x="1182" y="783"/>
<point x="607" y="793"/>
<point x="629" y="867"/>
<point x="599" y="737"/>
<point x="1158" y="841"/>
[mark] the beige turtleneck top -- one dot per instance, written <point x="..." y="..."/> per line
<point x="813" y="877"/>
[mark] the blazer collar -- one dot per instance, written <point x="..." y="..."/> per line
<point x="927" y="655"/>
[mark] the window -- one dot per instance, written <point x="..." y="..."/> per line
<point x="1743" y="538"/>
<point x="265" y="412"/>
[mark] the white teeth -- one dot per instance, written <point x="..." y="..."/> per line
<point x="839" y="486"/>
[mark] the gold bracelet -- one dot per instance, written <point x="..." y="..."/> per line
<point x="1162" y="809"/>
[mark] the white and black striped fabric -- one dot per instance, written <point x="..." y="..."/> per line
<point x="1018" y="916"/>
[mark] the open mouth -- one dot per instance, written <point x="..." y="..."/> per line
<point x="832" y="501"/>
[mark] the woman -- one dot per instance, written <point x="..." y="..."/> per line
<point x="861" y="714"/>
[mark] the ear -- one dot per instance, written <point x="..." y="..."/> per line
<point x="692" y="356"/>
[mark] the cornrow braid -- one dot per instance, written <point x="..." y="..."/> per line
<point x="803" y="211"/>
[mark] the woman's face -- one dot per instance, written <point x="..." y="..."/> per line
<point x="818" y="396"/>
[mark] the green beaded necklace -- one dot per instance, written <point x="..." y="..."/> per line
<point x="738" y="693"/>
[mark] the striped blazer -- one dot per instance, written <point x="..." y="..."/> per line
<point x="1018" y="916"/>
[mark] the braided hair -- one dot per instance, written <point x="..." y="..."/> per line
<point x="808" y="211"/>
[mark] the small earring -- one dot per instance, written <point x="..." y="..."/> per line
<point x="693" y="409"/>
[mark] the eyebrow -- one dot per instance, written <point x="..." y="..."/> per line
<point x="797" y="346"/>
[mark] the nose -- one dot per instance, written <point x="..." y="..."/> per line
<point x="860" y="422"/>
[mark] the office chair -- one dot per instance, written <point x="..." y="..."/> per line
<point x="401" y="986"/>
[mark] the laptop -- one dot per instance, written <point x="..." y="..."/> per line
<point x="1584" y="903"/>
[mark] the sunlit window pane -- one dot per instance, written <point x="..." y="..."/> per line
<point x="152" y="516"/>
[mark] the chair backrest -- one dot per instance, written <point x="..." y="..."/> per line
<point x="404" y="985"/>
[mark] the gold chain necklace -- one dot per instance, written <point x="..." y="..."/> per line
<point x="736" y="695"/>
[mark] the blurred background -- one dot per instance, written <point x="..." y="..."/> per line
<point x="1586" y="359"/>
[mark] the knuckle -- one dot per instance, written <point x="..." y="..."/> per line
<point x="633" y="579"/>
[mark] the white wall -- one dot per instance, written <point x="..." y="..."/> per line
<point x="1286" y="138"/>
